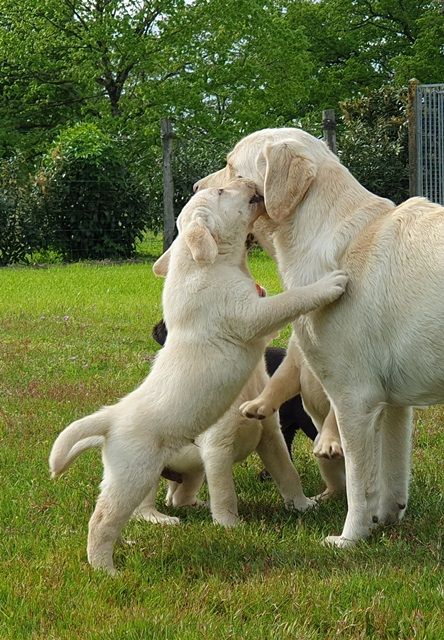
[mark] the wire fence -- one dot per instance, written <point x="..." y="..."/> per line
<point x="430" y="141"/>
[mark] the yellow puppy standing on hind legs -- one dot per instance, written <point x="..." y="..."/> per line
<point x="216" y="321"/>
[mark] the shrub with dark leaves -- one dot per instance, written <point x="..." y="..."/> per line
<point x="19" y="229"/>
<point x="92" y="206"/>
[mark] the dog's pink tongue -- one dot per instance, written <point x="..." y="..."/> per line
<point x="260" y="290"/>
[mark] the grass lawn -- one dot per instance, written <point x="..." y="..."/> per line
<point x="75" y="337"/>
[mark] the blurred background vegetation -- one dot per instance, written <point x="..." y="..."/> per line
<point x="84" y="83"/>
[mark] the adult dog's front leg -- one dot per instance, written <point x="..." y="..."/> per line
<point x="360" y="437"/>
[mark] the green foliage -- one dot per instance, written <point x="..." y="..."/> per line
<point x="224" y="67"/>
<point x="19" y="229"/>
<point x="194" y="158"/>
<point x="374" y="141"/>
<point x="44" y="257"/>
<point x="218" y="68"/>
<point x="91" y="205"/>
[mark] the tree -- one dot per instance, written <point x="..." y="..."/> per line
<point x="374" y="141"/>
<point x="222" y="67"/>
<point x="70" y="59"/>
<point x="218" y="68"/>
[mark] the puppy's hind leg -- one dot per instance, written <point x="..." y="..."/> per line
<point x="333" y="473"/>
<point x="328" y="441"/>
<point x="123" y="488"/>
<point x="223" y="499"/>
<point x="171" y="490"/>
<point x="185" y="494"/>
<point x="147" y="510"/>
<point x="274" y="454"/>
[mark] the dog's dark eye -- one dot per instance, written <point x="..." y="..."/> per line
<point x="220" y="191"/>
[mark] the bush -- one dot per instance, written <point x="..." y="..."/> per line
<point x="19" y="227"/>
<point x="92" y="206"/>
<point x="374" y="141"/>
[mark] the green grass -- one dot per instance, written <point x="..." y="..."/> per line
<point x="75" y="337"/>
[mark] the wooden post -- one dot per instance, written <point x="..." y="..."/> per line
<point x="412" y="126"/>
<point x="329" y="127"/>
<point x="167" y="135"/>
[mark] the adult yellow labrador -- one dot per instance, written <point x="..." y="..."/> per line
<point x="378" y="350"/>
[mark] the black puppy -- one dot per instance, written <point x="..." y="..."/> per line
<point x="291" y="414"/>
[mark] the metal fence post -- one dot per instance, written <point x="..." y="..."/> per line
<point x="167" y="135"/>
<point x="412" y="127"/>
<point x="329" y="127"/>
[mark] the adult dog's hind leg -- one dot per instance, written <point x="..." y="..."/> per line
<point x="396" y="435"/>
<point x="359" y="429"/>
<point x="274" y="454"/>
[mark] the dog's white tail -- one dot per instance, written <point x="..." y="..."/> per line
<point x="77" y="437"/>
<point x="80" y="447"/>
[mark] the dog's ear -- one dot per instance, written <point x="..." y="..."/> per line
<point x="289" y="172"/>
<point x="160" y="267"/>
<point x="200" y="242"/>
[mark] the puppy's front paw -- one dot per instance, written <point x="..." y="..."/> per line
<point x="332" y="286"/>
<point x="155" y="517"/>
<point x="338" y="541"/>
<point x="226" y="519"/>
<point x="327" y="494"/>
<point x="257" y="409"/>
<point x="327" y="447"/>
<point x="296" y="504"/>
